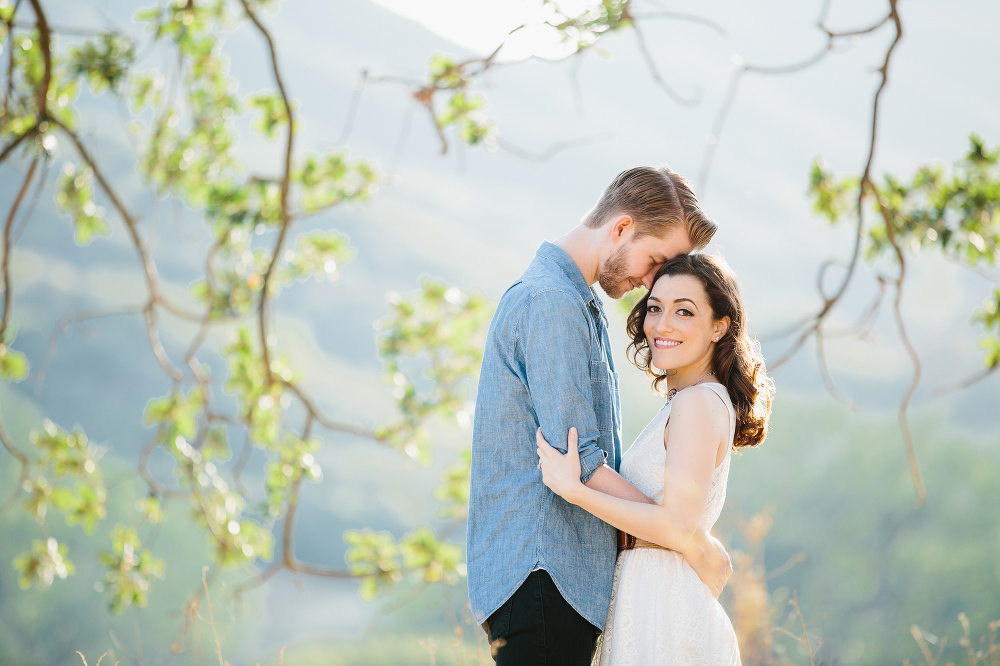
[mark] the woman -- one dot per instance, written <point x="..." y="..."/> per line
<point x="688" y="333"/>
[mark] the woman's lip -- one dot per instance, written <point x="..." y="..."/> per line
<point x="663" y="343"/>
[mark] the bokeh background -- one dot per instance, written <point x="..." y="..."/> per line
<point x="831" y="481"/>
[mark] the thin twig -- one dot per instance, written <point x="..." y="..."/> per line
<point x="211" y="616"/>
<point x="968" y="381"/>
<point x="352" y="108"/>
<point x="640" y="40"/>
<point x="63" y="327"/>
<point x="550" y="152"/>
<point x="904" y="404"/>
<point x="679" y="16"/>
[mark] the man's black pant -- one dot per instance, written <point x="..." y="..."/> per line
<point x="537" y="626"/>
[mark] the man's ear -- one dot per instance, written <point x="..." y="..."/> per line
<point x="620" y="226"/>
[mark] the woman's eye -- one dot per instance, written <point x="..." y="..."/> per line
<point x="684" y="312"/>
<point x="653" y="309"/>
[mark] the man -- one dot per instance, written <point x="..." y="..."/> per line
<point x="540" y="569"/>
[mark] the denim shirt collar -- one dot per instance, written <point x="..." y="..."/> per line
<point x="561" y="258"/>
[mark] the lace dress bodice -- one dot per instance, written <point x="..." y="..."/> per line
<point x="642" y="465"/>
<point x="661" y="613"/>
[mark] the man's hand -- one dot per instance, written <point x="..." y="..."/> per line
<point x="709" y="560"/>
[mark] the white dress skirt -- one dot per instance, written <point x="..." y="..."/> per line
<point x="661" y="612"/>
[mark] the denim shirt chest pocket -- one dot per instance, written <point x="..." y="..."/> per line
<point x="603" y="386"/>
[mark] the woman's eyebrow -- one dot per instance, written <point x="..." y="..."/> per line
<point x="682" y="299"/>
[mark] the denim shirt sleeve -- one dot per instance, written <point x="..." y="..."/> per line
<point x="556" y="341"/>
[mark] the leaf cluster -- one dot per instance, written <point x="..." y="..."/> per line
<point x="956" y="212"/>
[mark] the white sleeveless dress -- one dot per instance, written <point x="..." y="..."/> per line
<point x="661" y="612"/>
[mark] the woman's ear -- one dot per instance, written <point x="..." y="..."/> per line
<point x="721" y="327"/>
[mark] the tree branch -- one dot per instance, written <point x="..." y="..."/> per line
<point x="640" y="40"/>
<point x="22" y="458"/>
<point x="45" y="45"/>
<point x="8" y="291"/>
<point x="329" y="424"/>
<point x="285" y="186"/>
<point x="148" y="265"/>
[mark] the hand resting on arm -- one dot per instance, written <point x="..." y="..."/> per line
<point x="698" y="427"/>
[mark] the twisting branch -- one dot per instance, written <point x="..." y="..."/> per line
<point x="8" y="301"/>
<point x="329" y="424"/>
<point x="155" y="486"/>
<point x="148" y="265"/>
<point x="9" y="25"/>
<point x="904" y="424"/>
<point x="8" y="291"/>
<point x="866" y="189"/>
<point x="22" y="458"/>
<point x="288" y="547"/>
<point x="45" y="45"/>
<point x="16" y="141"/>
<point x="286" y="179"/>
<point x="864" y="186"/>
<point x="459" y="76"/>
<point x="743" y="68"/>
<point x="640" y="40"/>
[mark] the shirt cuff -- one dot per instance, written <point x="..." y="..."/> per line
<point x="590" y="462"/>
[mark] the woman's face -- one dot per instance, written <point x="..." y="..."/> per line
<point x="680" y="326"/>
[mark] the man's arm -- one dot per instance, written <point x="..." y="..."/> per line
<point x="555" y="341"/>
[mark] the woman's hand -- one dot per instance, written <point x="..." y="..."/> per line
<point x="560" y="473"/>
<point x="709" y="559"/>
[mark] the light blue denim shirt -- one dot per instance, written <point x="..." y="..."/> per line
<point x="547" y="363"/>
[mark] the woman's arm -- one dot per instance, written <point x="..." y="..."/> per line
<point x="698" y="424"/>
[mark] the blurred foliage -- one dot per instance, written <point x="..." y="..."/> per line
<point x="842" y="533"/>
<point x="182" y="122"/>
<point x="956" y="212"/>
<point x="431" y="345"/>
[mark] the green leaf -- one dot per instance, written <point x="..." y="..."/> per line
<point x="75" y="196"/>
<point x="103" y="61"/>
<point x="43" y="563"/>
<point x="13" y="365"/>
<point x="271" y="108"/>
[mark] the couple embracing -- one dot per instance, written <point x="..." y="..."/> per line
<point x="551" y="492"/>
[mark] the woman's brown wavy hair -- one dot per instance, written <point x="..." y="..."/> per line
<point x="737" y="361"/>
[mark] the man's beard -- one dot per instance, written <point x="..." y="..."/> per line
<point x="614" y="273"/>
